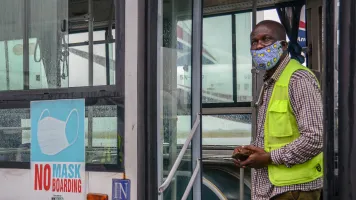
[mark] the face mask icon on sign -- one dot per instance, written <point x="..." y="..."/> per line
<point x="51" y="133"/>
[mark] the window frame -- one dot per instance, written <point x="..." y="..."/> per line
<point x="235" y="103"/>
<point x="12" y="99"/>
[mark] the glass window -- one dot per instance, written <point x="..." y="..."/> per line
<point x="48" y="66"/>
<point x="78" y="58"/>
<point x="217" y="60"/>
<point x="35" y="52"/>
<point x="111" y="58"/>
<point x="101" y="133"/>
<point x="15" y="135"/>
<point x="104" y="57"/>
<point x="174" y="73"/>
<point x="11" y="45"/>
<point x="243" y="23"/>
<point x="226" y="130"/>
<point x="227" y="62"/>
<point x="84" y="36"/>
<point x="3" y="65"/>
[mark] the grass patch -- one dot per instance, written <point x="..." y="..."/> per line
<point x="220" y="134"/>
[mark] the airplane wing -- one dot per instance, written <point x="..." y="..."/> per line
<point x="100" y="60"/>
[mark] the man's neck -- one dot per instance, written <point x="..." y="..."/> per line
<point x="270" y="72"/>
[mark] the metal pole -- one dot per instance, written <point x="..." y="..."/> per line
<point x="111" y="20"/>
<point x="254" y="86"/>
<point x="91" y="38"/>
<point x="26" y="46"/>
<point x="196" y="84"/>
<point x="159" y="88"/>
<point x="171" y="79"/>
<point x="254" y="13"/>
<point x="107" y="56"/>
<point x="242" y="183"/>
<point x="328" y="98"/>
<point x="90" y="127"/>
<point x="234" y="60"/>
<point x="347" y="97"/>
<point x="254" y="76"/>
<point x="108" y="46"/>
<point x="7" y="65"/>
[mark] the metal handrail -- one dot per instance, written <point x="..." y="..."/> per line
<point x="242" y="183"/>
<point x="206" y="182"/>
<point x="214" y="189"/>
<point x="166" y="183"/>
<point x="191" y="181"/>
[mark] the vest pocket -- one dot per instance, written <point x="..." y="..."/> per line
<point x="279" y="125"/>
<point x="280" y="175"/>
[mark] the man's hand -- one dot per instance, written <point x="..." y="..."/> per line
<point x="236" y="150"/>
<point x="258" y="159"/>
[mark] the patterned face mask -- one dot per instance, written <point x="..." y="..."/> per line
<point x="268" y="57"/>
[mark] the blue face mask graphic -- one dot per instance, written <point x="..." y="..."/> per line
<point x="268" y="57"/>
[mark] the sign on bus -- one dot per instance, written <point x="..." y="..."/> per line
<point x="58" y="149"/>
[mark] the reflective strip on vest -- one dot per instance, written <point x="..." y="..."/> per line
<point x="281" y="128"/>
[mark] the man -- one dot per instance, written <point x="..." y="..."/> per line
<point x="286" y="153"/>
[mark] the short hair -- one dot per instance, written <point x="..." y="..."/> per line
<point x="278" y="28"/>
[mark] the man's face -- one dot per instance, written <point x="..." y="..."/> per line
<point x="261" y="37"/>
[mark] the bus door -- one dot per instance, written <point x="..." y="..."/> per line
<point x="179" y="74"/>
<point x="207" y="89"/>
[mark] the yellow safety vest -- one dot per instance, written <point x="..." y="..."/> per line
<point x="281" y="128"/>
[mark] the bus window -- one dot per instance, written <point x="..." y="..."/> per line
<point x="83" y="36"/>
<point x="78" y="60"/>
<point x="11" y="67"/>
<point x="53" y="62"/>
<point x="101" y="135"/>
<point x="226" y="130"/>
<point x="226" y="62"/>
<point x="217" y="40"/>
<point x="243" y="27"/>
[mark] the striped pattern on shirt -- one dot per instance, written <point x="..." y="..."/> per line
<point x="305" y="97"/>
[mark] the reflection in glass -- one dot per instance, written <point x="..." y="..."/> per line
<point x="111" y="58"/>
<point x="101" y="135"/>
<point x="48" y="65"/>
<point x="45" y="61"/>
<point x="175" y="75"/>
<point x="3" y="66"/>
<point x="11" y="44"/>
<point x="243" y="57"/>
<point x="78" y="62"/>
<point x="226" y="47"/>
<point x="217" y="60"/>
<point x="226" y="130"/>
<point x="83" y="37"/>
<point x="104" y="58"/>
